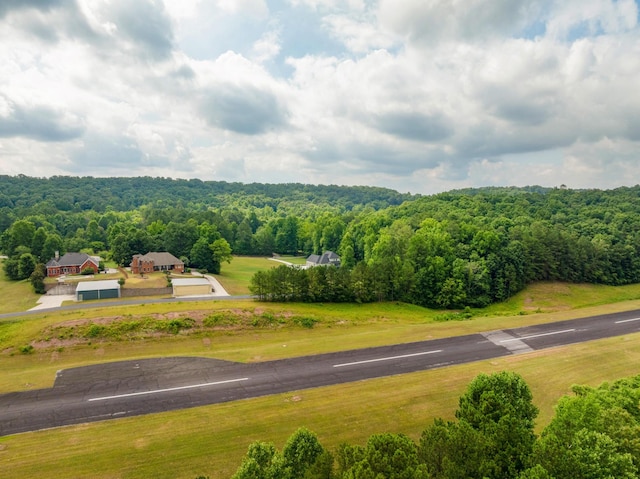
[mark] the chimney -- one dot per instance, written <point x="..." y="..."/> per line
<point x="57" y="256"/>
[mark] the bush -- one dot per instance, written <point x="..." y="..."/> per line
<point x="305" y="321"/>
<point x="88" y="271"/>
<point x="175" y="325"/>
<point x="95" y="331"/>
<point x="28" y="349"/>
<point x="220" y="319"/>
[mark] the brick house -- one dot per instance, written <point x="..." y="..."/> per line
<point x="71" y="263"/>
<point x="150" y="262"/>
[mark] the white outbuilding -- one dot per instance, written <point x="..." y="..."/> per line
<point x="191" y="287"/>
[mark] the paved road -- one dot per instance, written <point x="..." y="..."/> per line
<point x="132" y="388"/>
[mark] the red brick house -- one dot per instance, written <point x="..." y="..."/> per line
<point x="71" y="263"/>
<point x="150" y="262"/>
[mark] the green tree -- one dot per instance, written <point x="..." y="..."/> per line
<point x="265" y="240"/>
<point x="11" y="269"/>
<point x="301" y="451"/>
<point x="179" y="238"/>
<point x="121" y="251"/>
<point x="500" y="407"/>
<point x="201" y="255"/>
<point x="20" y="233"/>
<point x="37" y="278"/>
<point x="244" y="243"/>
<point x="286" y="237"/>
<point x="262" y="461"/>
<point x="221" y="252"/>
<point x="454" y="450"/>
<point x="52" y="244"/>
<point x="389" y="456"/>
<point x="595" y="432"/>
<point x="26" y="265"/>
<point x="37" y="245"/>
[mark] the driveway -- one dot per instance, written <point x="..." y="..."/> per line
<point x="52" y="301"/>
<point x="218" y="290"/>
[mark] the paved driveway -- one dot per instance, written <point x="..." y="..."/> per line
<point x="52" y="301"/>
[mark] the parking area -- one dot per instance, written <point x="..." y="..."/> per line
<point x="52" y="301"/>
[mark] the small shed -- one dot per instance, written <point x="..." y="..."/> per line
<point x="105" y="289"/>
<point x="191" y="287"/>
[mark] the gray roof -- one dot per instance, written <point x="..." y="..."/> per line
<point x="328" y="257"/>
<point x="159" y="258"/>
<point x="95" y="285"/>
<point x="69" y="259"/>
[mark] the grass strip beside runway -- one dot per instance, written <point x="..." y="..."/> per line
<point x="212" y="440"/>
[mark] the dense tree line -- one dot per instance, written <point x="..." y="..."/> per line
<point x="472" y="248"/>
<point x="461" y="248"/>
<point x="74" y="194"/>
<point x="595" y="434"/>
<point x="199" y="222"/>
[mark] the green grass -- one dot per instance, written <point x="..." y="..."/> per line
<point x="236" y="275"/>
<point x="337" y="327"/>
<point x="211" y="440"/>
<point x="16" y="295"/>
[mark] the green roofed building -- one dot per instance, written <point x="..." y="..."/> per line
<point x="87" y="290"/>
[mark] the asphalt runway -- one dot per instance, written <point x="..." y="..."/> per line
<point x="131" y="388"/>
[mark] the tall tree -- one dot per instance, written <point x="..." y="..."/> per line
<point x="500" y="407"/>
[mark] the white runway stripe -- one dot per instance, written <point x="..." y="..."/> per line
<point x="156" y="391"/>
<point x="386" y="359"/>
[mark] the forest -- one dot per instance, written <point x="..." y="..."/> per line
<point x="450" y="250"/>
<point x="594" y="435"/>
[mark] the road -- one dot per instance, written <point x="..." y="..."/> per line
<point x="131" y="388"/>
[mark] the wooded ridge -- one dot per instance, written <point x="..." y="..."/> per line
<point x="460" y="248"/>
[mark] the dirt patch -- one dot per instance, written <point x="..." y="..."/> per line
<point x="102" y="330"/>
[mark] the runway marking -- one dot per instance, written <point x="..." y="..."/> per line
<point x="515" y="345"/>
<point x="156" y="391"/>
<point x="537" y="335"/>
<point x="627" y="320"/>
<point x="387" y="359"/>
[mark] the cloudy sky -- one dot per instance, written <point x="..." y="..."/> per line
<point x="421" y="96"/>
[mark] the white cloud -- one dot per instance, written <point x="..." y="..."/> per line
<point x="576" y="18"/>
<point x="354" y="5"/>
<point x="419" y="95"/>
<point x="257" y="8"/>
<point x="267" y="47"/>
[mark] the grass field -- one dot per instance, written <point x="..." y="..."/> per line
<point x="16" y="295"/>
<point x="211" y="440"/>
<point x="235" y="276"/>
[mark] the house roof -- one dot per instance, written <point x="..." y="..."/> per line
<point x="159" y="258"/>
<point x="95" y="285"/>
<point x="328" y="257"/>
<point x="69" y="259"/>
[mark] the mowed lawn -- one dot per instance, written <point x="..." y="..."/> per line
<point x="15" y="295"/>
<point x="236" y="276"/>
<point x="210" y="441"/>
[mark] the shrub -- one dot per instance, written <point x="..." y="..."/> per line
<point x="175" y="325"/>
<point x="95" y="331"/>
<point x="220" y="319"/>
<point x="28" y="349"/>
<point x="305" y="321"/>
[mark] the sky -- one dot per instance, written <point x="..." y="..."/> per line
<point x="420" y="96"/>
